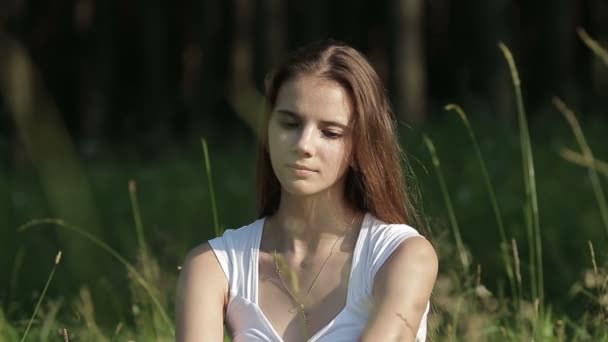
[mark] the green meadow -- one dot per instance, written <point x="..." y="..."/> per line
<point x="516" y="209"/>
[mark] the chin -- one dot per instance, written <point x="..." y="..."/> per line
<point x="301" y="189"/>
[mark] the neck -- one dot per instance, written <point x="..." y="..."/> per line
<point x="311" y="224"/>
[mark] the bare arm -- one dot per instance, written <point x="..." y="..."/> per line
<point x="201" y="297"/>
<point x="402" y="288"/>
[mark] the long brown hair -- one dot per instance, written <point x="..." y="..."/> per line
<point x="375" y="182"/>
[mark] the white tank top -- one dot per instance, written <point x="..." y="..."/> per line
<point x="237" y="251"/>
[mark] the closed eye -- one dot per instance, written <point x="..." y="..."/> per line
<point x="289" y="124"/>
<point x="331" y="134"/>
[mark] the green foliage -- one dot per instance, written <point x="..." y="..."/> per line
<point x="465" y="306"/>
<point x="506" y="297"/>
<point x="8" y="331"/>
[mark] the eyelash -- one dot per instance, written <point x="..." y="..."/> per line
<point x="327" y="133"/>
<point x="289" y="125"/>
<point x="331" y="135"/>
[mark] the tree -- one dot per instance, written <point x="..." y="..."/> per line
<point x="410" y="95"/>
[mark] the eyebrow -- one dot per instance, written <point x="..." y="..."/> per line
<point x="299" y="116"/>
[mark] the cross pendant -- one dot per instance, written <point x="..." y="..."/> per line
<point x="301" y="310"/>
<point x="303" y="313"/>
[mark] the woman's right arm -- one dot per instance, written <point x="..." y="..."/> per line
<point x="202" y="296"/>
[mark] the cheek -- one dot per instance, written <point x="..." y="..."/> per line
<point x="276" y="142"/>
<point x="276" y="134"/>
<point x="339" y="156"/>
<point x="272" y="143"/>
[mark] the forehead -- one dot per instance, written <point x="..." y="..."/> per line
<point x="315" y="98"/>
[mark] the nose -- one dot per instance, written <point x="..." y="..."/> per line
<point x="304" y="145"/>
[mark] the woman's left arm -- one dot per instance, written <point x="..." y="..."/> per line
<point x="401" y="291"/>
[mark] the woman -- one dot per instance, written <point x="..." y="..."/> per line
<point x="331" y="257"/>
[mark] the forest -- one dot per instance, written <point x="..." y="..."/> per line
<point x="128" y="134"/>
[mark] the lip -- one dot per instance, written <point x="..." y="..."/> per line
<point x="299" y="167"/>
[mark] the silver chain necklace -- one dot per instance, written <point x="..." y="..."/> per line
<point x="300" y="304"/>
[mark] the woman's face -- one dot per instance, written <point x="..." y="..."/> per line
<point x="309" y="135"/>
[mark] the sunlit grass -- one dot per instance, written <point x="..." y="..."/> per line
<point x="579" y="159"/>
<point x="470" y="303"/>
<point x="531" y="208"/>
<point x="593" y="45"/>
<point x="472" y="311"/>
<point x="130" y="268"/>
<point x="462" y="253"/>
<point x="46" y="286"/>
<point x="588" y="157"/>
<point x="216" y="220"/>
<point x="504" y="246"/>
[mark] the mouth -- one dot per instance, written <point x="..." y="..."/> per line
<point x="301" y="168"/>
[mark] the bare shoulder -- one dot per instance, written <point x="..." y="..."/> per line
<point x="401" y="291"/>
<point x="416" y="251"/>
<point x="201" y="255"/>
<point x="201" y="297"/>
<point x="202" y="268"/>
<point x="415" y="256"/>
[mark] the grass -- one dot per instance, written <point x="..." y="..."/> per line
<point x="139" y="278"/>
<point x="588" y="158"/>
<point x="216" y="220"/>
<point x="462" y="253"/>
<point x="531" y="207"/>
<point x="46" y="286"/>
<point x="504" y="244"/>
<point x="463" y="310"/>
<point x="569" y="305"/>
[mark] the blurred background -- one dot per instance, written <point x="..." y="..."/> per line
<point x="94" y="94"/>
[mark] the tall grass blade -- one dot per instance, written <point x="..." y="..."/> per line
<point x="139" y="228"/>
<point x="464" y="258"/>
<point x="14" y="275"/>
<point x="531" y="250"/>
<point x="46" y="286"/>
<point x="501" y="230"/>
<point x="83" y="233"/>
<point x="588" y="157"/>
<point x="517" y="267"/>
<point x="592" y="44"/>
<point x="596" y="275"/>
<point x="579" y="159"/>
<point x="216" y="221"/>
<point x="529" y="177"/>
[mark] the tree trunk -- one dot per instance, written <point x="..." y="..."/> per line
<point x="245" y="99"/>
<point x="561" y="25"/>
<point x="410" y="68"/>
<point x="598" y="30"/>
<point x="155" y="91"/>
<point x="493" y="73"/>
<point x="95" y="69"/>
<point x="272" y="37"/>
